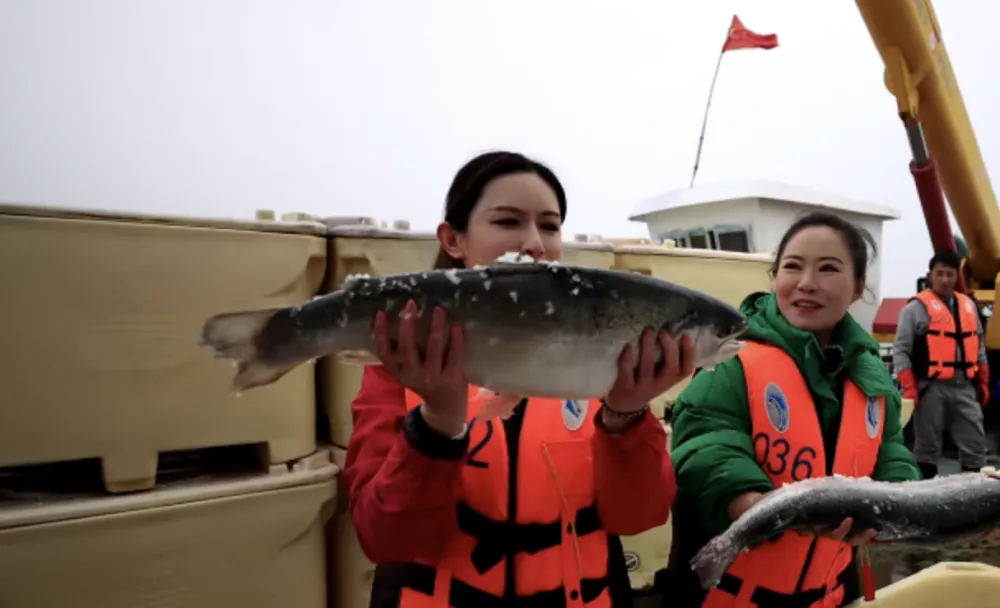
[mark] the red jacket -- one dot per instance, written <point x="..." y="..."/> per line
<point x="403" y="502"/>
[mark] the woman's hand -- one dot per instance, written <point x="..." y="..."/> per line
<point x="438" y="376"/>
<point x="635" y="388"/>
<point x="741" y="503"/>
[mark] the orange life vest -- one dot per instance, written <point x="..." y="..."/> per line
<point x="796" y="570"/>
<point x="943" y="336"/>
<point x="560" y="548"/>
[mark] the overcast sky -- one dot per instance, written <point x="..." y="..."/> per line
<point x="335" y="107"/>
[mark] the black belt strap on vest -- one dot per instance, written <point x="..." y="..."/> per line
<point x="964" y="366"/>
<point x="772" y="599"/>
<point x="957" y="336"/>
<point x="496" y="539"/>
<point x="420" y="578"/>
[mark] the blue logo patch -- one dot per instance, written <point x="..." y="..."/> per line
<point x="574" y="413"/>
<point x="873" y="417"/>
<point x="776" y="405"/>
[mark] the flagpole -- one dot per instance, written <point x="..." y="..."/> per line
<point x="704" y="121"/>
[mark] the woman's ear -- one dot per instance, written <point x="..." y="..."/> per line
<point x="859" y="290"/>
<point x="451" y="240"/>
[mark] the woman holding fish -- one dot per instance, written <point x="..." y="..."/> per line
<point x="808" y="396"/>
<point x="460" y="507"/>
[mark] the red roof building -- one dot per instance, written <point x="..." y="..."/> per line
<point x="884" y="326"/>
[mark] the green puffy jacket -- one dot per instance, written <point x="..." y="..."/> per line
<point x="712" y="448"/>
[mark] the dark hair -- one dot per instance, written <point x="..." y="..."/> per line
<point x="856" y="238"/>
<point x="945" y="257"/>
<point x="470" y="181"/>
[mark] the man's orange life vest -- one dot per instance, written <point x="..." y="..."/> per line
<point x="559" y="549"/>
<point x="796" y="570"/>
<point x="943" y="336"/>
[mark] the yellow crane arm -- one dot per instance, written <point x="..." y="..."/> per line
<point x="918" y="74"/>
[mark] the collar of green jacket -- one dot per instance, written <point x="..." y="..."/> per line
<point x="860" y="350"/>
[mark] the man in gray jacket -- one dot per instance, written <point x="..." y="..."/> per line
<point x="940" y="359"/>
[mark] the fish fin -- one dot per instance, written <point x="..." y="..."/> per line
<point x="358" y="357"/>
<point x="236" y="336"/>
<point x="253" y="373"/>
<point x="498" y="405"/>
<point x="712" y="560"/>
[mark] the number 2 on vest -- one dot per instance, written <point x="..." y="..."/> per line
<point x="471" y="459"/>
<point x="772" y="456"/>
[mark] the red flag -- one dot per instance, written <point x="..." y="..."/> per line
<point x="741" y="38"/>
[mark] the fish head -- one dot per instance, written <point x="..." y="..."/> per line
<point x="717" y="341"/>
<point x="727" y="350"/>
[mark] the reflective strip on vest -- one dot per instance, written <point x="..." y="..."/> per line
<point x="562" y="550"/>
<point x="943" y="336"/>
<point x="795" y="570"/>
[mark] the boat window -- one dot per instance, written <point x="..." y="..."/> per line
<point x="725" y="237"/>
<point x="679" y="237"/>
<point x="700" y="240"/>
<point x="733" y="237"/>
<point x="734" y="241"/>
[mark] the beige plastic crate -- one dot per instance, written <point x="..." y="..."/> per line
<point x="646" y="554"/>
<point x="378" y="252"/>
<point x="99" y="337"/>
<point x="906" y="412"/>
<point x="724" y="275"/>
<point x="251" y="542"/>
<point x="649" y="552"/>
<point x="951" y="584"/>
<point x="350" y="573"/>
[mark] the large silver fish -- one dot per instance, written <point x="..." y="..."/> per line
<point x="936" y="511"/>
<point x="531" y="329"/>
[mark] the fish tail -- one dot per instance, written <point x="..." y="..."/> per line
<point x="237" y="336"/>
<point x="712" y="560"/>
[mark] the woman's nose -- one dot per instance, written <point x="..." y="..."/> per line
<point x="533" y="245"/>
<point x="807" y="281"/>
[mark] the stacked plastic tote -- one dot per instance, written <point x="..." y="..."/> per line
<point x="129" y="478"/>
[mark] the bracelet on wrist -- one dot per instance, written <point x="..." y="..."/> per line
<point x="429" y="421"/>
<point x="633" y="415"/>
